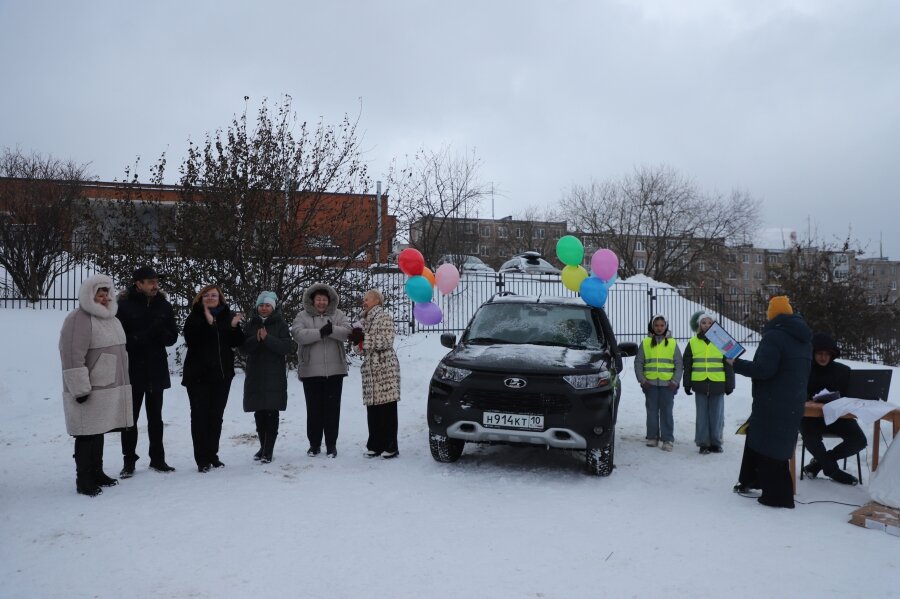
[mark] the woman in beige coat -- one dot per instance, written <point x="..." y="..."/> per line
<point x="96" y="389"/>
<point x="380" y="375"/>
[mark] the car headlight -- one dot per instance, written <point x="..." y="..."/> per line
<point x="451" y="373"/>
<point x="588" y="381"/>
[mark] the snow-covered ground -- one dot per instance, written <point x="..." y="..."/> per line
<point x="501" y="522"/>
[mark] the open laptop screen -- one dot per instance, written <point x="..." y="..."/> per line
<point x="869" y="384"/>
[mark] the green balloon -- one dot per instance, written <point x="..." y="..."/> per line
<point x="569" y="250"/>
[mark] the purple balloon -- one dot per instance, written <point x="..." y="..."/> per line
<point x="428" y="313"/>
<point x="604" y="264"/>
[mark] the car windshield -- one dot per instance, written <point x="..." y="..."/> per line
<point x="538" y="324"/>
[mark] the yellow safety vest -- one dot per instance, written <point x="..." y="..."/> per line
<point x="706" y="362"/>
<point x="659" y="360"/>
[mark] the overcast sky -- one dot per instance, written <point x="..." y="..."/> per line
<point x="796" y="102"/>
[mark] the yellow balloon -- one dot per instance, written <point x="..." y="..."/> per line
<point x="572" y="276"/>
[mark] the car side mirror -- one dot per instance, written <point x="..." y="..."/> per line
<point x="628" y="349"/>
<point x="449" y="340"/>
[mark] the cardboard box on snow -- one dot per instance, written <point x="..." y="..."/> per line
<point x="877" y="516"/>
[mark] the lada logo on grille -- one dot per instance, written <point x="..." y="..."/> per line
<point x="515" y="383"/>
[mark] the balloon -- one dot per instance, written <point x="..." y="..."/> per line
<point x="572" y="276"/>
<point x="604" y="264"/>
<point x="611" y="281"/>
<point x="426" y="272"/>
<point x="446" y="278"/>
<point x="411" y="262"/>
<point x="570" y="251"/>
<point x="427" y="313"/>
<point x="418" y="289"/>
<point x="593" y="292"/>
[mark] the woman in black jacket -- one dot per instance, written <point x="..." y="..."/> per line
<point x="210" y="332"/>
<point x="267" y="340"/>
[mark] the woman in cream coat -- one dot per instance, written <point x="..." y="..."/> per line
<point x="96" y="389"/>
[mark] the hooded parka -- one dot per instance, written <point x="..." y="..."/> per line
<point x="95" y="363"/>
<point x="317" y="355"/>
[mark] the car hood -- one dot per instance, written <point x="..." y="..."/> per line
<point x="526" y="358"/>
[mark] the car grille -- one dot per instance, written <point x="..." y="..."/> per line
<point x="536" y="403"/>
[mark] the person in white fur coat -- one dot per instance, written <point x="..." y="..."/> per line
<point x="96" y="388"/>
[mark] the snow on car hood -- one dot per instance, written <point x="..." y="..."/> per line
<point x="537" y="359"/>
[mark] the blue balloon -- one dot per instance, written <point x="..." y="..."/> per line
<point x="593" y="291"/>
<point x="418" y="289"/>
<point x="612" y="281"/>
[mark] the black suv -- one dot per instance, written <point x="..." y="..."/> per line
<point x="533" y="371"/>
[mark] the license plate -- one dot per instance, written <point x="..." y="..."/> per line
<point x="531" y="422"/>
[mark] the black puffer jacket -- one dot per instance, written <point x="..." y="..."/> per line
<point x="150" y="328"/>
<point x="780" y="370"/>
<point x="265" y="384"/>
<point x="210" y="356"/>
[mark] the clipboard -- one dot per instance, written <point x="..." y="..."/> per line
<point x="726" y="344"/>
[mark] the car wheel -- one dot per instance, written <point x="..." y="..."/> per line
<point x="600" y="459"/>
<point x="444" y="449"/>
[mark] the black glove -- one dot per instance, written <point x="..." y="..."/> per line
<point x="83" y="398"/>
<point x="357" y="336"/>
<point x="326" y="330"/>
<point x="687" y="391"/>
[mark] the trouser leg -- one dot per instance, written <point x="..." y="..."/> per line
<point x="651" y="402"/>
<point x="749" y="475"/>
<point x="390" y="426"/>
<point x="314" y="392"/>
<point x="332" y="410"/>
<point x="199" y="397"/>
<point x="271" y="432"/>
<point x="666" y="399"/>
<point x="130" y="435"/>
<point x="812" y="430"/>
<point x="701" y="425"/>
<point x="154" y="403"/>
<point x="775" y="482"/>
<point x="853" y="439"/>
<point x="716" y="419"/>
<point x="375" y="441"/>
<point x="219" y="400"/>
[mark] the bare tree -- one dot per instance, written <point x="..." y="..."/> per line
<point x="273" y="205"/>
<point x="835" y="297"/>
<point x="433" y="195"/>
<point x="657" y="216"/>
<point x="39" y="198"/>
<point x="535" y="228"/>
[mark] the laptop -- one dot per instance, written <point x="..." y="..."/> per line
<point x="869" y="384"/>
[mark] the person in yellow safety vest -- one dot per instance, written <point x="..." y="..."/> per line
<point x="658" y="369"/>
<point x="711" y="378"/>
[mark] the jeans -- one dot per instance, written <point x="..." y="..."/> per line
<point x="710" y="419"/>
<point x="660" y="422"/>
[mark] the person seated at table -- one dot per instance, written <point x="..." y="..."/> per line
<point x="825" y="373"/>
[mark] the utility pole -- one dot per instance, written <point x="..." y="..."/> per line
<point x="378" y="218"/>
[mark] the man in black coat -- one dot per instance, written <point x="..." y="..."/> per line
<point x="780" y="369"/>
<point x="150" y="328"/>
<point x="828" y="374"/>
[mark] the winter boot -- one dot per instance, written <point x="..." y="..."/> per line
<point x="85" y="483"/>
<point x="100" y="477"/>
<point x="812" y="469"/>
<point x="261" y="434"/>
<point x="269" y="448"/>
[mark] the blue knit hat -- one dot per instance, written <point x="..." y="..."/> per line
<point x="267" y="297"/>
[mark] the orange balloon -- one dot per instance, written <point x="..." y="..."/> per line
<point x="426" y="272"/>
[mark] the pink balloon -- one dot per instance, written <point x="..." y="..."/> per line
<point x="604" y="264"/>
<point x="427" y="313"/>
<point x="446" y="278"/>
